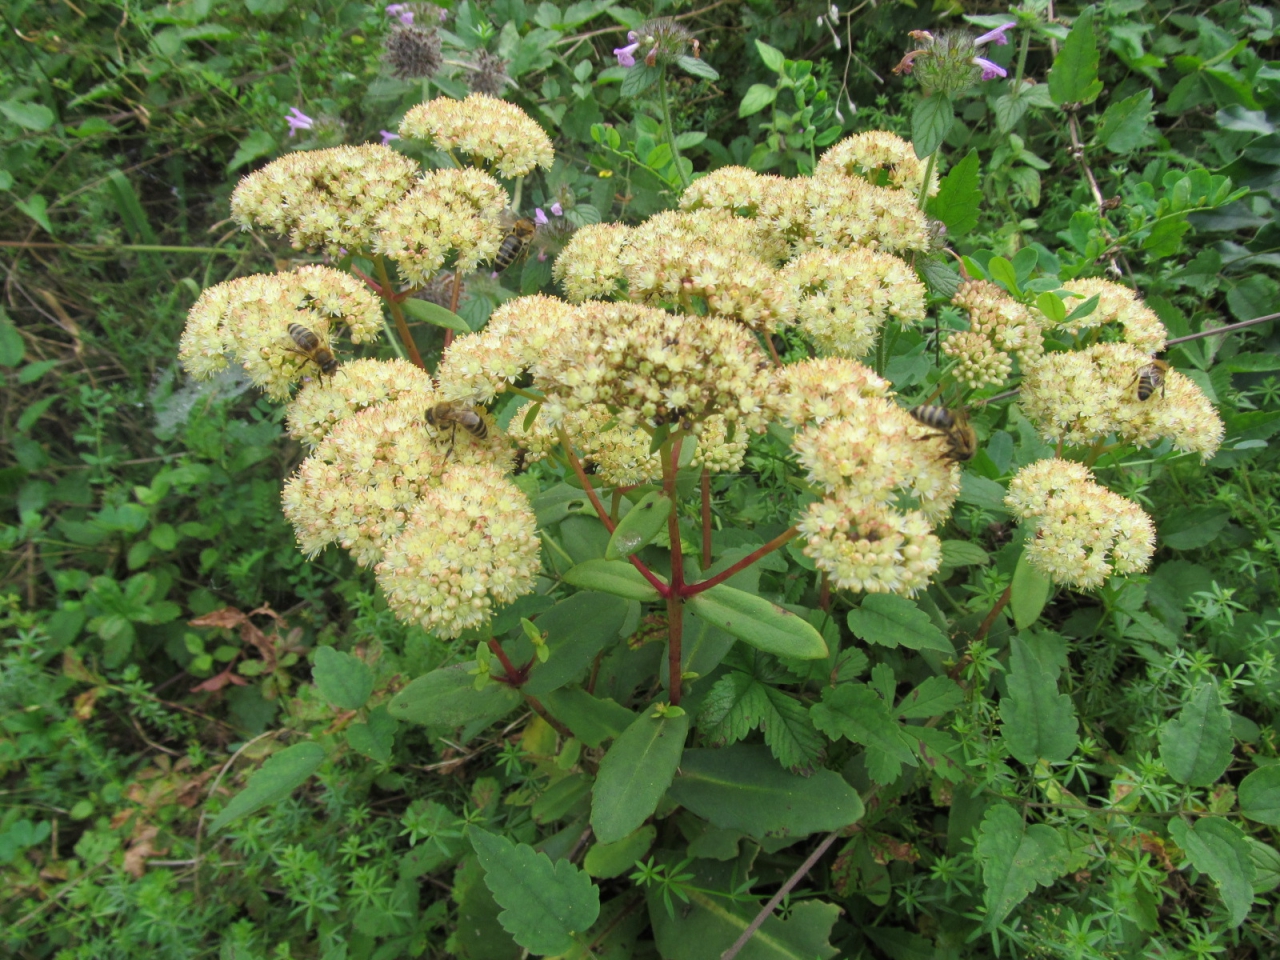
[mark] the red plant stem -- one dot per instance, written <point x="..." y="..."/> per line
<point x="371" y="283"/>
<point x="692" y="589"/>
<point x="514" y="675"/>
<point x="662" y="588"/>
<point x="773" y="351"/>
<point x="675" y="605"/>
<point x="995" y="612"/>
<point x="536" y="705"/>
<point x="824" y="594"/>
<point x="706" y="518"/>
<point x="402" y="326"/>
<point x="776" y="899"/>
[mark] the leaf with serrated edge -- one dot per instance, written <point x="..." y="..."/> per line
<point x="790" y="734"/>
<point x="1196" y="744"/>
<point x="1218" y="848"/>
<point x="933" y="698"/>
<point x="894" y="621"/>
<point x="855" y="711"/>
<point x="1038" y="722"/>
<point x="732" y="708"/>
<point x="544" y="904"/>
<point x="1074" y="75"/>
<point x="1015" y="858"/>
<point x="344" y="680"/>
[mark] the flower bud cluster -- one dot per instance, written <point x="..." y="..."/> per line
<point x="249" y="318"/>
<point x="469" y="544"/>
<point x="1140" y="326"/>
<point x="487" y="130"/>
<point x="1083" y="532"/>
<point x="879" y="157"/>
<point x="322" y="404"/>
<point x="324" y="198"/>
<point x="1084" y="396"/>
<point x="999" y="327"/>
<point x="588" y="267"/>
<point x="815" y="391"/>
<point x="845" y="296"/>
<point x="619" y="454"/>
<point x="715" y="450"/>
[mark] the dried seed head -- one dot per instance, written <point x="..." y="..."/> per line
<point x="412" y="52"/>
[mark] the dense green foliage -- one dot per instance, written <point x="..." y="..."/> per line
<point x="211" y="746"/>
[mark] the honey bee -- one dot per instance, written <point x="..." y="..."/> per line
<point x="962" y="442"/>
<point x="456" y="416"/>
<point x="515" y="243"/>
<point x="309" y="345"/>
<point x="1151" y="378"/>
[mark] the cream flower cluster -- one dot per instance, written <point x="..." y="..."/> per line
<point x="588" y="267"/>
<point x="618" y="453"/>
<point x="1086" y="395"/>
<point x="778" y="204"/>
<point x="655" y="366"/>
<point x="322" y="404"/>
<point x="1117" y="304"/>
<point x="455" y="211"/>
<point x="845" y="296"/>
<point x="881" y="158"/>
<point x="519" y="336"/>
<point x="715" y="450"/>
<point x="815" y="391"/>
<point x="470" y="543"/>
<point x="248" y="319"/>
<point x="1084" y="532"/>
<point x="486" y="129"/>
<point x="324" y="198"/>
<point x="848" y="211"/>
<point x="887" y="484"/>
<point x="999" y="327"/>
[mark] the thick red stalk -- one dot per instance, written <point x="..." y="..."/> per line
<point x="675" y="605"/>
<point x="692" y="589"/>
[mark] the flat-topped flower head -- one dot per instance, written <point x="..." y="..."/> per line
<point x="588" y="268"/>
<point x="826" y="388"/>
<point x="451" y="212"/>
<point x="879" y="157"/>
<point x="322" y="404"/>
<point x="847" y="211"/>
<point x="777" y="205"/>
<point x="324" y="198"/>
<point x="870" y="548"/>
<point x="844" y="296"/>
<point x="470" y="544"/>
<point x="1140" y="327"/>
<point x="250" y="319"/>
<point x="657" y="367"/>
<point x="359" y="485"/>
<point x="617" y="453"/>
<point x="1083" y="396"/>
<point x="1084" y="533"/>
<point x="489" y="131"/>
<point x="521" y="333"/>
<point x="875" y="455"/>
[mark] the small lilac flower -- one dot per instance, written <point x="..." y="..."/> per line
<point x="402" y="12"/>
<point x="997" y="36"/>
<point x="539" y="217"/>
<point x="990" y="70"/>
<point x="298" y="120"/>
<point x="542" y="256"/>
<point x="388" y="136"/>
<point x="626" y="55"/>
<point x="557" y="209"/>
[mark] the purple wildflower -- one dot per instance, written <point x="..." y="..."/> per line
<point x="539" y="217"/>
<point x="990" y="70"/>
<point x="388" y="136"/>
<point x="402" y="12"/>
<point x="996" y="36"/>
<point x="298" y="120"/>
<point x="557" y="209"/>
<point x="626" y="55"/>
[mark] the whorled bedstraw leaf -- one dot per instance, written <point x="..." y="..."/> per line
<point x="1015" y="858"/>
<point x="1196" y="744"/>
<point x="1218" y="848"/>
<point x="635" y="773"/>
<point x="1038" y="722"/>
<point x="857" y="712"/>
<point x="544" y="904"/>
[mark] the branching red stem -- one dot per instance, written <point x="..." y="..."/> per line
<point x="675" y="605"/>
<point x="693" y="589"/>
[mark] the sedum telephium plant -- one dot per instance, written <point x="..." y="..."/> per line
<point x="546" y="494"/>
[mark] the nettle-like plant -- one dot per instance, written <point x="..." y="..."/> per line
<point x="710" y="688"/>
